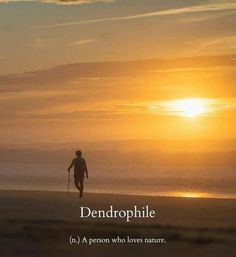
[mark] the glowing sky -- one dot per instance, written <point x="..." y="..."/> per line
<point x="41" y="34"/>
<point x="66" y="90"/>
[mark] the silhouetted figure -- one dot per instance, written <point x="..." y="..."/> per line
<point x="80" y="168"/>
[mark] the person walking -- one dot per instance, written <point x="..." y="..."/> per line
<point x="80" y="169"/>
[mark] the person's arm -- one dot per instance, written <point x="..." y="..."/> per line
<point x="72" y="164"/>
<point x="86" y="169"/>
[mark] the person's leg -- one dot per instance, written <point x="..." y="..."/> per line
<point x="76" y="180"/>
<point x="81" y="185"/>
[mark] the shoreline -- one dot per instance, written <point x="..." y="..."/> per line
<point x="177" y="211"/>
<point x="121" y="194"/>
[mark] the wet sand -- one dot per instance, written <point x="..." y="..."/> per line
<point x="37" y="223"/>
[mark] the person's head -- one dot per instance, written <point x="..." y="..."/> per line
<point x="78" y="153"/>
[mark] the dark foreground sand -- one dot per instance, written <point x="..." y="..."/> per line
<point x="41" y="224"/>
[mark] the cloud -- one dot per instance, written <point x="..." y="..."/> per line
<point x="226" y="41"/>
<point x="224" y="44"/>
<point x="80" y="73"/>
<point x="39" y="42"/>
<point x="206" y="17"/>
<point x="62" y="2"/>
<point x="170" y="107"/>
<point x="176" y="11"/>
<point x="82" y="42"/>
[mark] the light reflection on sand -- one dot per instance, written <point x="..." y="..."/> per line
<point x="193" y="194"/>
<point x="198" y="194"/>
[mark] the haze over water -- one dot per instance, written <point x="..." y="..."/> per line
<point x="126" y="167"/>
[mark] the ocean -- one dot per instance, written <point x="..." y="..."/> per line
<point x="177" y="181"/>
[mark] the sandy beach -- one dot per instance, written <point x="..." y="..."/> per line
<point x="35" y="223"/>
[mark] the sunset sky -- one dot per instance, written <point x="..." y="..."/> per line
<point x="117" y="69"/>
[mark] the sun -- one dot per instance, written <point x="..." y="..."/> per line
<point x="189" y="107"/>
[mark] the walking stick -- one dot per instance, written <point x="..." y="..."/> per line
<point x="68" y="184"/>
